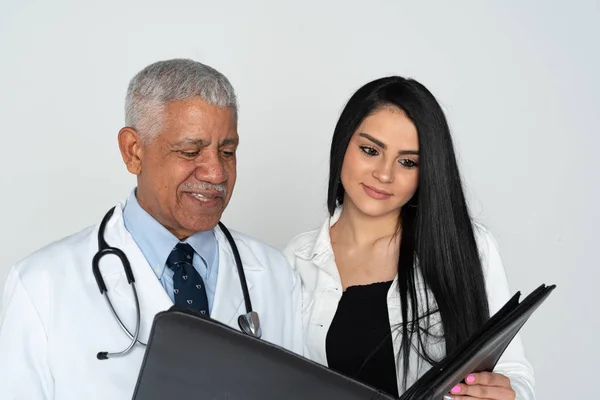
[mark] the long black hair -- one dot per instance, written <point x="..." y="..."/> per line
<point x="437" y="235"/>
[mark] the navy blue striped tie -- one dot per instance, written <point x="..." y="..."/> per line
<point x="188" y="285"/>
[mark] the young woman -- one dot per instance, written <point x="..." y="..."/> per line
<point x="399" y="275"/>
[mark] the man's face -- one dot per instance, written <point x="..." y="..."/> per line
<point x="186" y="175"/>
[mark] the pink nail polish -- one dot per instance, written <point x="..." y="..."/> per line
<point x="470" y="379"/>
<point x="455" y="389"/>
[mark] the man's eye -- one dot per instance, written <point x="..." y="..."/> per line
<point x="369" y="150"/>
<point x="189" y="154"/>
<point x="228" y="153"/>
<point x="407" y="163"/>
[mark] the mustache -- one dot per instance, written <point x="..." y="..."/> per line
<point x="202" y="186"/>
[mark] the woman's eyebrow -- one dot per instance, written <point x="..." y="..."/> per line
<point x="384" y="146"/>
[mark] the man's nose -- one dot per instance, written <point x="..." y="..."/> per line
<point x="211" y="168"/>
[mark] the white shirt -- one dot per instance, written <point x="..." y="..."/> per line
<point x="311" y="254"/>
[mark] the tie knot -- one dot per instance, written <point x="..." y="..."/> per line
<point x="182" y="253"/>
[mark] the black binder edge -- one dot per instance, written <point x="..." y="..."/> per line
<point x="379" y="394"/>
<point x="470" y="346"/>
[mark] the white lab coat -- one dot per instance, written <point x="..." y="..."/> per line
<point x="310" y="253"/>
<point x="54" y="320"/>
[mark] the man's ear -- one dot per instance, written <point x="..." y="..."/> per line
<point x="130" y="145"/>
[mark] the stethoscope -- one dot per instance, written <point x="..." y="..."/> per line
<point x="249" y="322"/>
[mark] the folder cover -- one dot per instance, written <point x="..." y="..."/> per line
<point x="481" y="351"/>
<point x="190" y="356"/>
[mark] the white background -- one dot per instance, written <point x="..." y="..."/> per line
<point x="519" y="81"/>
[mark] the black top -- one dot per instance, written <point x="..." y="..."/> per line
<point x="359" y="342"/>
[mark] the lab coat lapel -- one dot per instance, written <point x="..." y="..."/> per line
<point x="229" y="298"/>
<point x="152" y="296"/>
<point x="320" y="251"/>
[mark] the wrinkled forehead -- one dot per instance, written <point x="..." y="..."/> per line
<point x="195" y="119"/>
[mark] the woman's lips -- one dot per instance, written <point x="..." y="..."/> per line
<point x="377" y="194"/>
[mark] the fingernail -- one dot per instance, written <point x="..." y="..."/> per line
<point x="455" y="389"/>
<point x="470" y="379"/>
<point x="448" y="397"/>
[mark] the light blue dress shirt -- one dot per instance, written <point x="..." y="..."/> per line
<point x="156" y="243"/>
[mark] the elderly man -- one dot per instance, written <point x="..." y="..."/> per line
<point x="180" y="141"/>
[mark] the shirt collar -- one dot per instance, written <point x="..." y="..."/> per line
<point x="156" y="242"/>
<point x="321" y="245"/>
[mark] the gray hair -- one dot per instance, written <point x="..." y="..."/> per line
<point x="165" y="81"/>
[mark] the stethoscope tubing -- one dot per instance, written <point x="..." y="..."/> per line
<point x="248" y="322"/>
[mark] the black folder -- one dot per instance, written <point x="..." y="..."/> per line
<point x="190" y="356"/>
<point x="481" y="351"/>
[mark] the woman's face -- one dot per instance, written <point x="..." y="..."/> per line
<point x="380" y="173"/>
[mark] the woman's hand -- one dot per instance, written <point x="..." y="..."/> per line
<point x="483" y="386"/>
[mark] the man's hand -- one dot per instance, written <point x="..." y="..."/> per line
<point x="483" y="386"/>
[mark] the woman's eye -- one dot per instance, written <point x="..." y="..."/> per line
<point x="407" y="163"/>
<point x="369" y="150"/>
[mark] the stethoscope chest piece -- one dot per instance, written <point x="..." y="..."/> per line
<point x="250" y="324"/>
